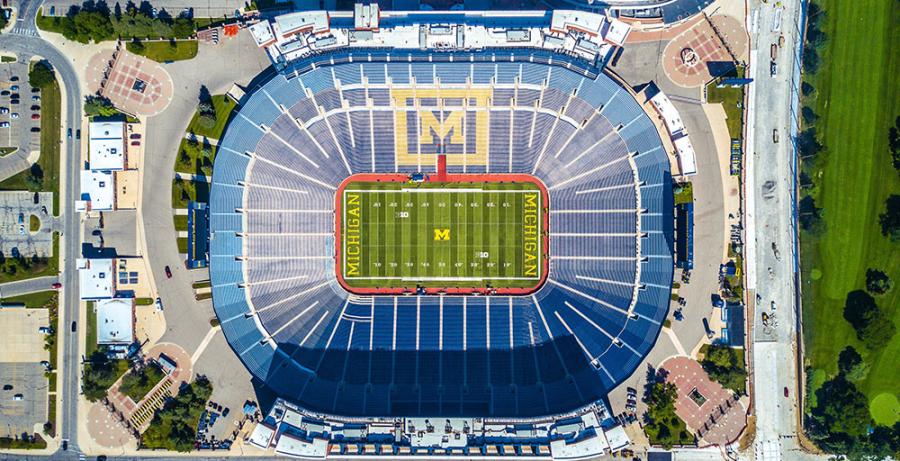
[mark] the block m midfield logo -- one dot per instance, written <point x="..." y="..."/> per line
<point x="454" y="121"/>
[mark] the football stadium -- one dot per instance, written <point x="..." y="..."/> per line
<point x="409" y="231"/>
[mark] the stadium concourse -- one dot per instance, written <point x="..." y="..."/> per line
<point x="341" y="360"/>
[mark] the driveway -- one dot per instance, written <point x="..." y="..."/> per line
<point x="217" y="67"/>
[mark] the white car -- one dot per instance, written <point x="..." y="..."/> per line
<point x="14" y="115"/>
<point x="4" y="110"/>
<point x="159" y="305"/>
<point x="4" y="124"/>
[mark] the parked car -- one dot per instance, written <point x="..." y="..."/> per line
<point x="14" y="102"/>
<point x="35" y="98"/>
<point x="14" y="96"/>
<point x="35" y="129"/>
<point x="4" y="124"/>
<point x="35" y="90"/>
<point x="168" y="272"/>
<point x="45" y="364"/>
<point x="14" y="115"/>
<point x="7" y="387"/>
<point x="4" y="110"/>
<point x="14" y="78"/>
<point x="36" y="108"/>
<point x="35" y="116"/>
<point x="18" y="397"/>
<point x="135" y="136"/>
<point x="14" y="88"/>
<point x="4" y="93"/>
<point x="158" y="303"/>
<point x="135" y="143"/>
<point x="56" y="285"/>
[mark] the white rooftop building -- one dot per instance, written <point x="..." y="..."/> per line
<point x="98" y="191"/>
<point x="96" y="278"/>
<point x="107" y="145"/>
<point x="115" y="321"/>
<point x="292" y="36"/>
<point x="675" y="126"/>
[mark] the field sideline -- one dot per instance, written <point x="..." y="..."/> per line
<point x="857" y="100"/>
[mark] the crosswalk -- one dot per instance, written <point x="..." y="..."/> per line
<point x="24" y="30"/>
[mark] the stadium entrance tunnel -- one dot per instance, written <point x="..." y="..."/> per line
<point x="456" y="234"/>
<point x="526" y="138"/>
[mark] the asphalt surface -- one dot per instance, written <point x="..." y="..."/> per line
<point x="23" y="40"/>
<point x="24" y="287"/>
<point x="771" y="235"/>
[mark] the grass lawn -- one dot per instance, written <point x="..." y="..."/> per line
<point x="51" y="413"/>
<point x="7" y="59"/>
<point x="164" y="51"/>
<point x="685" y="194"/>
<point x="49" y="159"/>
<point x="732" y="100"/>
<point x="43" y="299"/>
<point x="181" y="222"/>
<point x="48" y="23"/>
<point x="224" y="106"/>
<point x="90" y="341"/>
<point x="143" y="301"/>
<point x="182" y="245"/>
<point x="185" y="191"/>
<point x="7" y="443"/>
<point x="137" y="385"/>
<point x="195" y="157"/>
<point x="205" y="284"/>
<point x="857" y="99"/>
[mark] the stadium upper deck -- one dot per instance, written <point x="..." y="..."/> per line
<point x="335" y="113"/>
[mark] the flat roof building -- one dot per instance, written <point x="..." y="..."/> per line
<point x="107" y="145"/>
<point x="96" y="278"/>
<point x="98" y="191"/>
<point x="115" y="321"/>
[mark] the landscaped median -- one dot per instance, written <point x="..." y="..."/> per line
<point x="164" y="50"/>
<point x="196" y="154"/>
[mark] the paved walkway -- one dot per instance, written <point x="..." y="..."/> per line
<point x="697" y="54"/>
<point x="136" y="84"/>
<point x="713" y="413"/>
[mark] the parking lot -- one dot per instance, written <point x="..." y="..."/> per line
<point x="19" y="117"/>
<point x="19" y="212"/>
<point x="23" y="400"/>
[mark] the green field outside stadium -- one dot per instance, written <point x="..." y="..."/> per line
<point x="399" y="234"/>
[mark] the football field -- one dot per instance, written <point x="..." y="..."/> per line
<point x="454" y="235"/>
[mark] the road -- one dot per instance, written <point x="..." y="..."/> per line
<point x="771" y="250"/>
<point x="24" y="40"/>
<point x="24" y="287"/>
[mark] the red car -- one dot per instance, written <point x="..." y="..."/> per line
<point x="57" y="286"/>
<point x="168" y="272"/>
<point x="35" y="116"/>
<point x="785" y="391"/>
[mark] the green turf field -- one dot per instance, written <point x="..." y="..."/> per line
<point x="857" y="99"/>
<point x="396" y="234"/>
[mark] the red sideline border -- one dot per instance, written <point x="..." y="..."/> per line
<point x="449" y="178"/>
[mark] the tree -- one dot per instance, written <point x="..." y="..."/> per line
<point x="663" y="426"/>
<point x="873" y="327"/>
<point x="723" y="365"/>
<point x="809" y="115"/>
<point x="877" y="282"/>
<point x="99" y="106"/>
<point x="41" y="75"/>
<point x="852" y="365"/>
<point x="890" y="219"/>
<point x="810" y="216"/>
<point x="842" y="408"/>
